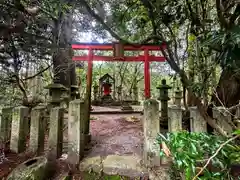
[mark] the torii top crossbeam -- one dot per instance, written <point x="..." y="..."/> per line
<point x="118" y="55"/>
<point x="110" y="46"/>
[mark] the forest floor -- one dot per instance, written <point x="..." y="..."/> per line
<point x="115" y="149"/>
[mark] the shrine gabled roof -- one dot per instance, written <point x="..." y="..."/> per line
<point x="105" y="76"/>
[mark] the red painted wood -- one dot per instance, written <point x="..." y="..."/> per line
<point x="94" y="47"/>
<point x="109" y="47"/>
<point x="146" y="75"/>
<point x="126" y="58"/>
<point x="90" y="66"/>
<point x="89" y="80"/>
<point x="106" y="89"/>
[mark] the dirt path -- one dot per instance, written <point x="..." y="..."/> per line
<point x="117" y="142"/>
<point x="117" y="147"/>
<point x="115" y="134"/>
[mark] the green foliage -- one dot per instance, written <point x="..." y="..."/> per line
<point x="190" y="150"/>
<point x="93" y="175"/>
<point x="227" y="43"/>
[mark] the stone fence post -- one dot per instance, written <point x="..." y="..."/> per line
<point x="223" y="119"/>
<point x="151" y="125"/>
<point x="37" y="130"/>
<point x="76" y="134"/>
<point x="55" y="139"/>
<point x="19" y="129"/>
<point x="175" y="114"/>
<point x="5" y="124"/>
<point x="197" y="123"/>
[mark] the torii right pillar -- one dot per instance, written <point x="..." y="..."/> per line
<point x="147" y="74"/>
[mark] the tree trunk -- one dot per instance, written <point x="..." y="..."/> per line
<point x="228" y="89"/>
<point x="64" y="68"/>
<point x="191" y="76"/>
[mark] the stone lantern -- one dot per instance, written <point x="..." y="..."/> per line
<point x="163" y="97"/>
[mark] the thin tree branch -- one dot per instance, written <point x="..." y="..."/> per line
<point x="99" y="19"/>
<point x="214" y="155"/>
<point x="37" y="74"/>
<point x="235" y="15"/>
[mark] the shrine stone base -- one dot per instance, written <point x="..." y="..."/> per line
<point x="107" y="99"/>
<point x="126" y="107"/>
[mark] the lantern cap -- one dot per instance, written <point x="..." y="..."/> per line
<point x="164" y="85"/>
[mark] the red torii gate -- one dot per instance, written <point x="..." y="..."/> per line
<point x="118" y="51"/>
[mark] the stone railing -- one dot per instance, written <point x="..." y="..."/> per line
<point x="152" y="125"/>
<point x="158" y="111"/>
<point x="14" y="127"/>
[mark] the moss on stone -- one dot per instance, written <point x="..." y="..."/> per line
<point x="94" y="175"/>
<point x="33" y="169"/>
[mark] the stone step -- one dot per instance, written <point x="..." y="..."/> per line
<point x="123" y="165"/>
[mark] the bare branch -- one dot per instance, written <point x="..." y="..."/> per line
<point x="100" y="20"/>
<point x="106" y="27"/>
<point x="37" y="74"/>
<point x="214" y="155"/>
<point x="235" y="15"/>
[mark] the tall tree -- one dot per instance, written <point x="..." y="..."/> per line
<point x="64" y="69"/>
